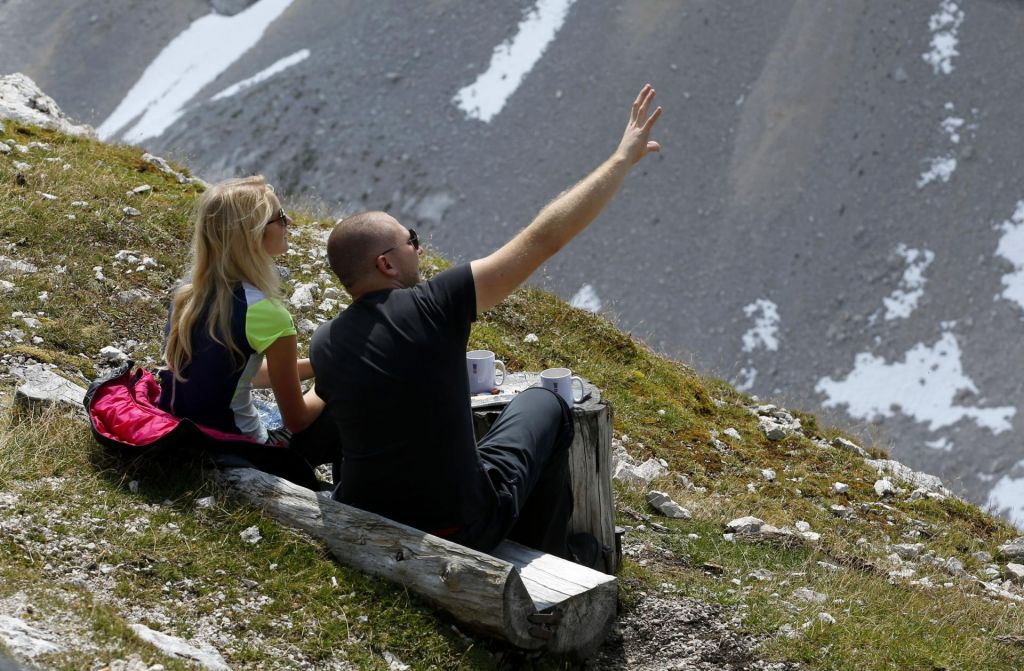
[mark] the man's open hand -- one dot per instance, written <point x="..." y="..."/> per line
<point x="636" y="142"/>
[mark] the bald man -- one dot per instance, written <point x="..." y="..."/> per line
<point x="413" y="457"/>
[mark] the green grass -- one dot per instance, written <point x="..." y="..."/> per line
<point x="80" y="511"/>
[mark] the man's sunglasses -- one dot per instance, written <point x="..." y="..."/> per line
<point x="413" y="240"/>
<point x="281" y="217"/>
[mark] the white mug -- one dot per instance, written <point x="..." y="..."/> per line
<point x="562" y="382"/>
<point x="480" y="365"/>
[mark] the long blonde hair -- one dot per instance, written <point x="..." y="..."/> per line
<point x="227" y="248"/>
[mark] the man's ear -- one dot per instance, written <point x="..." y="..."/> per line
<point x="385" y="266"/>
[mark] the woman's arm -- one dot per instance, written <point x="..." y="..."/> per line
<point x="262" y="378"/>
<point x="298" y="410"/>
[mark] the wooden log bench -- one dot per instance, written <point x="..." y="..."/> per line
<point x="531" y="599"/>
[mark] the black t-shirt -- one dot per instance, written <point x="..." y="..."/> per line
<point x="392" y="369"/>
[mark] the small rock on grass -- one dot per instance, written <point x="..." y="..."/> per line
<point x="205" y="656"/>
<point x="251" y="535"/>
<point x="664" y="504"/>
<point x="809" y="595"/>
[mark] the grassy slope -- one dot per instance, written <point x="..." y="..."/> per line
<point x="283" y="599"/>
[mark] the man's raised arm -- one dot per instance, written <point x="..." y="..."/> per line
<point x="497" y="275"/>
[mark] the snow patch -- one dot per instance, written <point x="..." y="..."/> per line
<point x="902" y="302"/>
<point x="1007" y="497"/>
<point x="512" y="60"/>
<point x="940" y="444"/>
<point x="944" y="25"/>
<point x="922" y="386"/>
<point x="765" y="332"/>
<point x="951" y="126"/>
<point x="263" y="75"/>
<point x="189" y="62"/>
<point x="586" y="299"/>
<point x="744" y="380"/>
<point x="1011" y="248"/>
<point x="940" y="169"/>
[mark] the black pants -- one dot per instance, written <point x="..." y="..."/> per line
<point x="525" y="457"/>
<point x="316" y="444"/>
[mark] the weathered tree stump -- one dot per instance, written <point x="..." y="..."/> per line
<point x="530" y="599"/>
<point x="590" y="466"/>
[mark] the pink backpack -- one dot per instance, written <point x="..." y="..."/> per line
<point x="123" y="414"/>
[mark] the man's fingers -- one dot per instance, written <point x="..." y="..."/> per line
<point x="640" y="97"/>
<point x="646" y="103"/>
<point x="652" y="119"/>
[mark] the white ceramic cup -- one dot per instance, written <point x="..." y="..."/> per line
<point x="562" y="382"/>
<point x="480" y="366"/>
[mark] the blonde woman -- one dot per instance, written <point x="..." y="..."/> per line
<point x="228" y="332"/>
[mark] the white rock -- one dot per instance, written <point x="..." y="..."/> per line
<point x="6" y="287"/>
<point x="21" y="166"/>
<point x="24" y="640"/>
<point x="772" y="429"/>
<point x="42" y="386"/>
<point x="333" y="293"/>
<point x="825" y="618"/>
<point x="844" y="444"/>
<point x="884" y="488"/>
<point x="1014" y="573"/>
<point x="841" y="511"/>
<point x="810" y="536"/>
<point x="768" y="474"/>
<point x="131" y="212"/>
<point x="143" y="188"/>
<point x="302" y="297"/>
<point x="205" y="656"/>
<point x="394" y="663"/>
<point x="802" y="526"/>
<point x="32" y="322"/>
<point x="908" y="550"/>
<point x="840" y="488"/>
<point x="205" y="502"/>
<point x="664" y="504"/>
<point x="982" y="556"/>
<point x="809" y="595"/>
<point x="4" y="149"/>
<point x="745" y="524"/>
<point x="165" y="167"/>
<point x="954" y="566"/>
<point x="907" y="475"/>
<point x="16" y="267"/>
<point x="530" y="338"/>
<point x="79" y="203"/>
<point x="788" y="631"/>
<point x="47" y="196"/>
<point x="651" y="469"/>
<point x="113" y="355"/>
<point x="901" y="574"/>
<point x="251" y="535"/>
<point x="1013" y="549"/>
<point x="305" y="326"/>
<point x="22" y="101"/>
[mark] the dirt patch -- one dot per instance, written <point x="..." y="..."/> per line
<point x="662" y="633"/>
